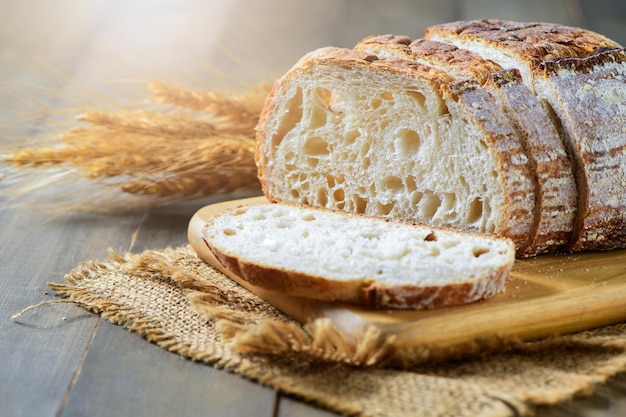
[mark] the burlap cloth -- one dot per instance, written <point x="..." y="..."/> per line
<point x="174" y="299"/>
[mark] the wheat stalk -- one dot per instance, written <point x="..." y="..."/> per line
<point x="184" y="144"/>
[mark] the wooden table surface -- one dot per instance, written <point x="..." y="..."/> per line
<point x="63" y="361"/>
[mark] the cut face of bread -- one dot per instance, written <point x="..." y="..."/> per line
<point x="579" y="77"/>
<point x="338" y="256"/>
<point x="390" y="137"/>
<point x="555" y="188"/>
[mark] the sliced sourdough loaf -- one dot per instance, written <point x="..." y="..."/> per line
<point x="338" y="256"/>
<point x="579" y="76"/>
<point x="391" y="137"/>
<point x="555" y="188"/>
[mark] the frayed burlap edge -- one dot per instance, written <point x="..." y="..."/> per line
<point x="257" y="347"/>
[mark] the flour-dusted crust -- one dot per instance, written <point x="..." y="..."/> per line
<point x="589" y="99"/>
<point x="419" y="288"/>
<point x="460" y="63"/>
<point x="536" y="41"/>
<point x="556" y="193"/>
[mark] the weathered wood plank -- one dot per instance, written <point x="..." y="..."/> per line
<point x="126" y="376"/>
<point x="43" y="350"/>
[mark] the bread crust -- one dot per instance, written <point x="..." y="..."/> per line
<point x="505" y="144"/>
<point x="556" y="194"/>
<point x="591" y="94"/>
<point x="366" y="292"/>
<point x="537" y="41"/>
<point x="447" y="57"/>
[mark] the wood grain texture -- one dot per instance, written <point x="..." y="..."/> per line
<point x="62" y="54"/>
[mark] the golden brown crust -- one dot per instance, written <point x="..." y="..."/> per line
<point x="536" y="41"/>
<point x="445" y="56"/>
<point x="429" y="297"/>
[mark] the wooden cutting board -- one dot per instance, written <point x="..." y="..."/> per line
<point x="547" y="295"/>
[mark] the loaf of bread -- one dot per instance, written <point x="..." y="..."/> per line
<point x="337" y="256"/>
<point x="580" y="78"/>
<point x="485" y="126"/>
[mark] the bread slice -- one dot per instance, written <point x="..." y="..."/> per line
<point x="338" y="256"/>
<point x="555" y="188"/>
<point x="579" y="76"/>
<point x="390" y="137"/>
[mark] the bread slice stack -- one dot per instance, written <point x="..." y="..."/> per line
<point x="514" y="129"/>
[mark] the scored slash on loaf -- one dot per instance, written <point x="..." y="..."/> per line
<point x="337" y="256"/>
<point x="491" y="126"/>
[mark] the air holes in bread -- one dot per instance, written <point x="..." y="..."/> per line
<point x="339" y="196"/>
<point x="448" y="202"/>
<point x="291" y="117"/>
<point x="410" y="184"/>
<point x="429" y="204"/>
<point x="323" y="96"/>
<point x="308" y="217"/>
<point x="475" y="211"/>
<point x="386" y="96"/>
<point x="330" y="100"/>
<point x="431" y="237"/>
<point x="316" y="146"/>
<point x="383" y="209"/>
<point x="360" y="204"/>
<point x="392" y="183"/>
<point x="419" y="98"/>
<point x="229" y="232"/>
<point x="408" y="142"/>
<point x="318" y="118"/>
<point x="322" y="197"/>
<point x="351" y="137"/>
<point x="479" y="251"/>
